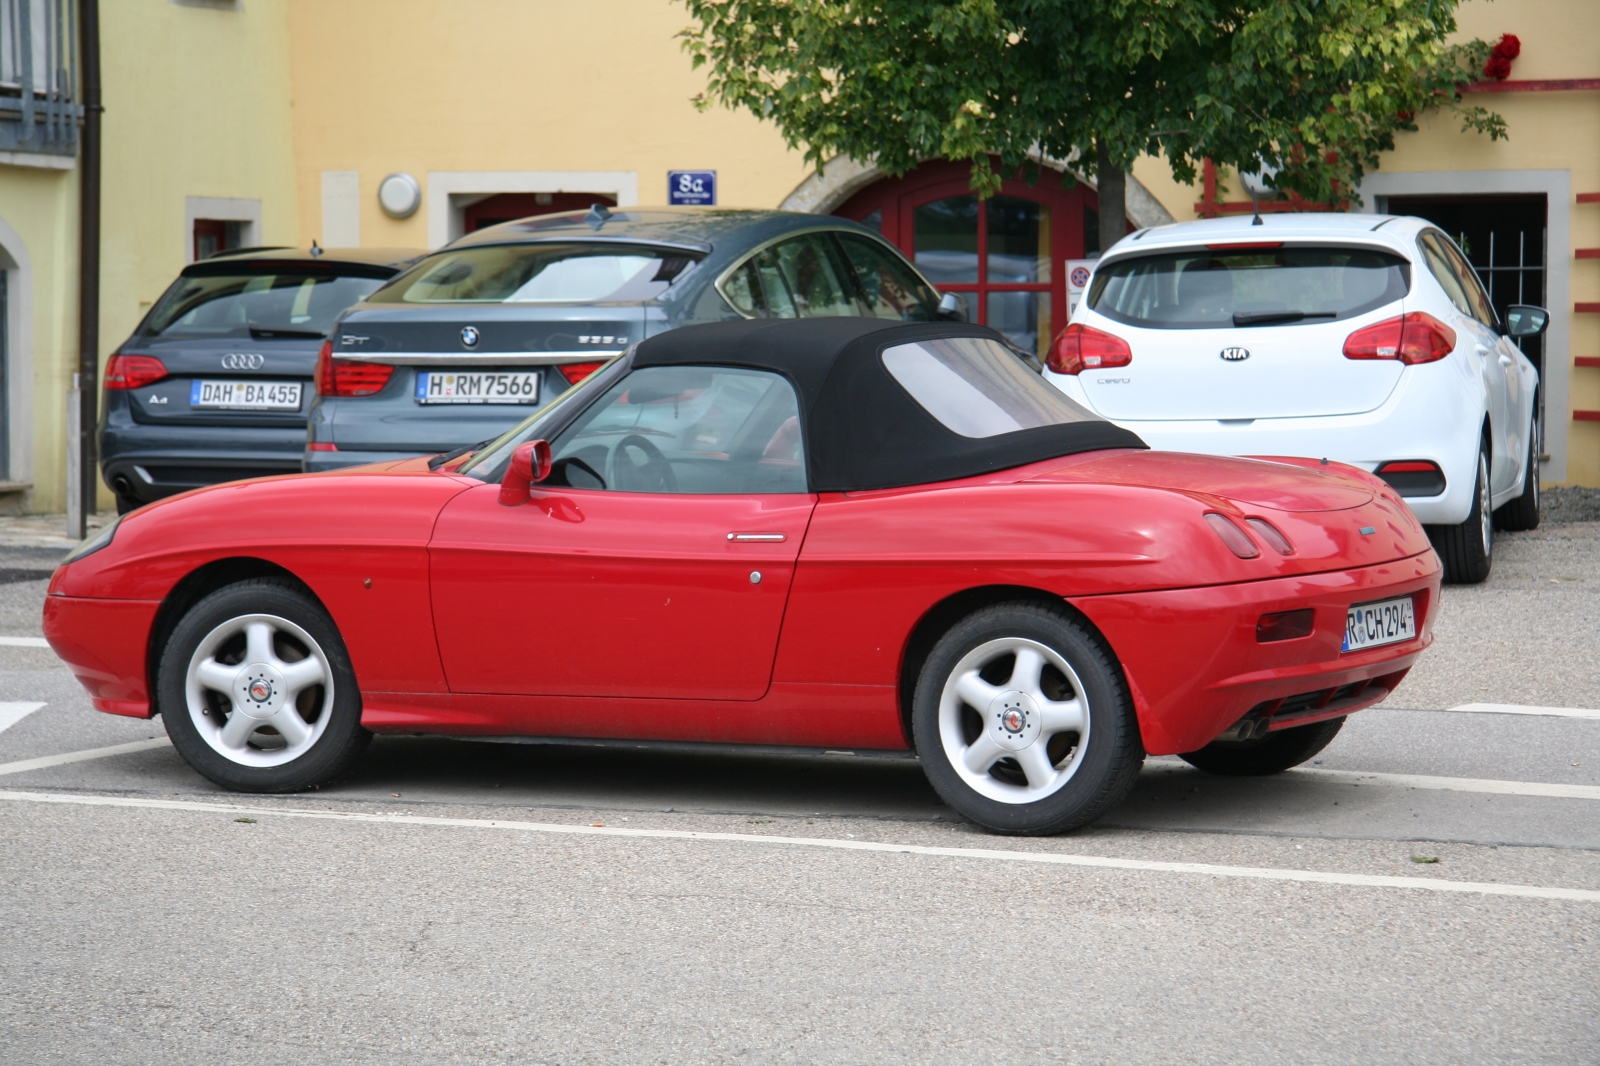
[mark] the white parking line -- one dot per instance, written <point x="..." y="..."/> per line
<point x="12" y="713"/>
<point x="1517" y="708"/>
<point x="1427" y="884"/>
<point x="24" y="642"/>
<point x="1445" y="784"/>
<point x="24" y="765"/>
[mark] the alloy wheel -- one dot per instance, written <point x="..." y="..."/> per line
<point x="1013" y="720"/>
<point x="259" y="690"/>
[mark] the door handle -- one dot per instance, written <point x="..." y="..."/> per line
<point x="1506" y="360"/>
<point x="757" y="538"/>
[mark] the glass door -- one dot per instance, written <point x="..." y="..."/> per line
<point x="994" y="252"/>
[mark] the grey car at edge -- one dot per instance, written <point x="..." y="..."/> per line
<point x="472" y="339"/>
<point x="215" y="382"/>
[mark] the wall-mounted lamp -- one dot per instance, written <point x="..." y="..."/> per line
<point x="399" y="195"/>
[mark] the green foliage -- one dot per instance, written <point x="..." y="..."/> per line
<point x="1317" y="88"/>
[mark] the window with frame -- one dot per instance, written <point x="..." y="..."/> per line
<point x="687" y="429"/>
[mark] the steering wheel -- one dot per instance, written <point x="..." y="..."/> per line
<point x="653" y="475"/>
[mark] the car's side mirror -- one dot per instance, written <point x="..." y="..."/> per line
<point x="530" y="464"/>
<point x="952" y="308"/>
<point x="1525" y="320"/>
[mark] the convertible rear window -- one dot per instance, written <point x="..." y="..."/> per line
<point x="287" y="304"/>
<point x="976" y="387"/>
<point x="1203" y="288"/>
<point x="539" y="273"/>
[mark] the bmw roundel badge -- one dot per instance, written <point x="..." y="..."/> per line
<point x="1234" y="355"/>
<point x="469" y="336"/>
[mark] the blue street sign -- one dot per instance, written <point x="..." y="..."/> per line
<point x="695" y="188"/>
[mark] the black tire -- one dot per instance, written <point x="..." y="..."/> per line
<point x="1467" y="550"/>
<point x="1522" y="513"/>
<point x="334" y="744"/>
<point x="1271" y="754"/>
<point x="1096" y="767"/>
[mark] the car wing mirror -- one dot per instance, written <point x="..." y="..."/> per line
<point x="952" y="308"/>
<point x="1525" y="320"/>
<point x="530" y="464"/>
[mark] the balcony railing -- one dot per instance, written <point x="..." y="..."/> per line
<point x="38" y="77"/>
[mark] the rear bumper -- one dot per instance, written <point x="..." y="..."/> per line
<point x="149" y="463"/>
<point x="1195" y="667"/>
<point x="112" y="671"/>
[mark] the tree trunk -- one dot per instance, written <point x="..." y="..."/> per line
<point x="1113" y="196"/>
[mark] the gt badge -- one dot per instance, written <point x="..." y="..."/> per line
<point x="469" y="336"/>
<point x="1235" y="355"/>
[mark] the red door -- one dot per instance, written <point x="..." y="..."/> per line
<point x="596" y="593"/>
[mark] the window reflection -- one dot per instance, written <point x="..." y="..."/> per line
<point x="1024" y="318"/>
<point x="946" y="239"/>
<point x="1019" y="241"/>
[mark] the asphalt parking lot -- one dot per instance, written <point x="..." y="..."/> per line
<point x="1427" y="891"/>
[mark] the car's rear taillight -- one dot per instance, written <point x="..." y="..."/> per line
<point x="1271" y="534"/>
<point x="348" y="377"/>
<point x="576" y="372"/>
<point x="133" y="371"/>
<point x="1413" y="477"/>
<point x="1080" y="347"/>
<point x="1237" y="540"/>
<point x="1414" y="337"/>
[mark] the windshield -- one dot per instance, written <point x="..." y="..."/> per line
<point x="1207" y="288"/>
<point x="289" y="304"/>
<point x="976" y="387"/>
<point x="539" y="273"/>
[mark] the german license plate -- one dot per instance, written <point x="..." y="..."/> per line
<point x="246" y="395"/>
<point x="476" y="386"/>
<point x="1372" y="625"/>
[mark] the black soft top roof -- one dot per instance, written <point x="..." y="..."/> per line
<point x="862" y="429"/>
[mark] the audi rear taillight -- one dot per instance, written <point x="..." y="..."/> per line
<point x="576" y="372"/>
<point x="1081" y="347"/>
<point x="133" y="371"/>
<point x="1414" y="337"/>
<point x="349" y="377"/>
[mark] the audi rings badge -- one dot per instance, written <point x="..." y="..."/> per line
<point x="243" y="361"/>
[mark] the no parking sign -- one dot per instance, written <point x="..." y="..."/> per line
<point x="1078" y="273"/>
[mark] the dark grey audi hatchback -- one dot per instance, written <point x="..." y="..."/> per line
<point x="466" y="343"/>
<point x="215" y="383"/>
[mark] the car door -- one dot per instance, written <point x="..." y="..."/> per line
<point x="656" y="560"/>
<point x="1497" y="365"/>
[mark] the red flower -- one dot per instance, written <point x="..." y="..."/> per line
<point x="1499" y="65"/>
<point x="1509" y="47"/>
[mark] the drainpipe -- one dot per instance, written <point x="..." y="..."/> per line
<point x="87" y="380"/>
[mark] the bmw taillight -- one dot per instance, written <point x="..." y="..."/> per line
<point x="133" y="371"/>
<point x="1414" y="337"/>
<point x="349" y="377"/>
<point x="1080" y="347"/>
<point x="576" y="372"/>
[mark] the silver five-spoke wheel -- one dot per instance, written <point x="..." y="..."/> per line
<point x="1013" y="720"/>
<point x="259" y="690"/>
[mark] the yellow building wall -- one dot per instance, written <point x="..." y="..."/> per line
<point x="511" y="85"/>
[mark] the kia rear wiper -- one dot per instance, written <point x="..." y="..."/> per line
<point x="1272" y="318"/>
<point x="263" y="333"/>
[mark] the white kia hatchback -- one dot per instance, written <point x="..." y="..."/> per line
<point x="1363" y="339"/>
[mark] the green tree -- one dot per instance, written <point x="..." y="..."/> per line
<point x="1314" y="88"/>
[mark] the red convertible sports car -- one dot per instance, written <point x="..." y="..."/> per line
<point x="815" y="534"/>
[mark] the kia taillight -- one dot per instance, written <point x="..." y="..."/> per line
<point x="1081" y="347"/>
<point x="349" y="377"/>
<point x="576" y="372"/>
<point x="133" y="371"/>
<point x="1414" y="337"/>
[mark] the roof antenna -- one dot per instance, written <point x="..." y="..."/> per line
<point x="597" y="216"/>
<point x="315" y="251"/>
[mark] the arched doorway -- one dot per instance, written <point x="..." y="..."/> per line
<point x="1006" y="255"/>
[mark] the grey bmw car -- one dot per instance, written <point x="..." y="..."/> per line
<point x="466" y="343"/>
<point x="215" y="383"/>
